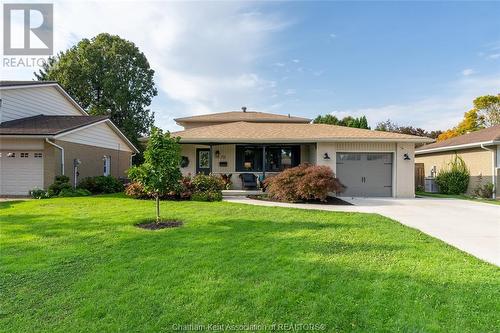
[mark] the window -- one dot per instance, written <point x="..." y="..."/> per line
<point x="349" y="157"/>
<point x="249" y="158"/>
<point x="106" y="165"/>
<point x="12" y="155"/>
<point x="25" y="155"/>
<point x="281" y="158"/>
<point x="38" y="155"/>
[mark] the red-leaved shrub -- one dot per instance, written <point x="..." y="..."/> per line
<point x="302" y="183"/>
<point x="136" y="191"/>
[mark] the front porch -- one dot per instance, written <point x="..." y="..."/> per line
<point x="260" y="160"/>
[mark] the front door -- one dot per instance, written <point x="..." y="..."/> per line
<point x="203" y="161"/>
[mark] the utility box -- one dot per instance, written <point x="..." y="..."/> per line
<point x="430" y="185"/>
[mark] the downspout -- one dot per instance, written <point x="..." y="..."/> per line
<point x="493" y="169"/>
<point x="62" y="153"/>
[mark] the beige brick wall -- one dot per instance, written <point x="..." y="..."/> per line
<point x="477" y="160"/>
<point x="91" y="161"/>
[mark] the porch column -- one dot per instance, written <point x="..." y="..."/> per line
<point x="263" y="162"/>
<point x="210" y="158"/>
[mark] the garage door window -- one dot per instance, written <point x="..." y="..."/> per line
<point x="349" y="157"/>
<point x="25" y="155"/>
<point x="378" y="156"/>
<point x="38" y="155"/>
<point x="11" y="155"/>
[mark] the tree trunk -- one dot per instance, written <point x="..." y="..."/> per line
<point x="157" y="208"/>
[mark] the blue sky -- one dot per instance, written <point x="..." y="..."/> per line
<point x="417" y="63"/>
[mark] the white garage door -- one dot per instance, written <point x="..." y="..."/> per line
<point x="20" y="172"/>
<point x="365" y="174"/>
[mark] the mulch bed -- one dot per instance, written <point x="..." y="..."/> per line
<point x="329" y="200"/>
<point x="159" y="225"/>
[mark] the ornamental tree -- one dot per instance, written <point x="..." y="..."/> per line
<point x="160" y="172"/>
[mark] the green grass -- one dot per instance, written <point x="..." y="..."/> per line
<point x="79" y="264"/>
<point x="458" y="196"/>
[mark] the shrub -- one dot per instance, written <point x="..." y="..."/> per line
<point x="101" y="184"/>
<point x="60" y="183"/>
<point x="302" y="183"/>
<point x="207" y="196"/>
<point x="136" y="191"/>
<point x="485" y="191"/>
<point x="455" y="178"/>
<point x="184" y="191"/>
<point x="186" y="188"/>
<point x="207" y="188"/>
<point x="71" y="192"/>
<point x="38" y="193"/>
<point x="226" y="180"/>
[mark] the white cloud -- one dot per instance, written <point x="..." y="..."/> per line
<point x="289" y="92"/>
<point x="440" y="111"/>
<point x="494" y="56"/>
<point x="332" y="35"/>
<point x="468" y="72"/>
<point x="204" y="54"/>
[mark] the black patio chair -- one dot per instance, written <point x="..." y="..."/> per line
<point x="248" y="181"/>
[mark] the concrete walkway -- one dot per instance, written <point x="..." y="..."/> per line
<point x="473" y="227"/>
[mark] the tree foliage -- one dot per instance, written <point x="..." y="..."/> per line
<point x="486" y="113"/>
<point x="389" y="126"/>
<point x="348" y="121"/>
<point x="488" y="109"/>
<point x="470" y="123"/>
<point x="160" y="173"/>
<point x="107" y="75"/>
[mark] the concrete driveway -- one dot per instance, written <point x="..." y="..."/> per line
<point x="472" y="227"/>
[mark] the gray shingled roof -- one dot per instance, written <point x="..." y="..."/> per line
<point x="46" y="125"/>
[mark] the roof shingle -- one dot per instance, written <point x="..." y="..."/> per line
<point x="46" y="125"/>
<point x="484" y="135"/>
<point x="24" y="83"/>
<point x="249" y="116"/>
<point x="272" y="132"/>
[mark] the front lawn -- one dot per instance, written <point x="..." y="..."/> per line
<point x="80" y="264"/>
<point x="458" y="196"/>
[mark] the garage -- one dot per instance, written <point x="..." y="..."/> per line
<point x="365" y="174"/>
<point x="20" y="172"/>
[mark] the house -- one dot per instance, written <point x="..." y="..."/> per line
<point x="480" y="151"/>
<point x="44" y="133"/>
<point x="368" y="163"/>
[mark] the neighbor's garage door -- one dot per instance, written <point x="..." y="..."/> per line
<point x="365" y="174"/>
<point x="20" y="172"/>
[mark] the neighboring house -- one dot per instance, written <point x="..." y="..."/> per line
<point x="369" y="163"/>
<point x="44" y="133"/>
<point x="480" y="150"/>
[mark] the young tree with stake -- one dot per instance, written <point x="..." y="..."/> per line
<point x="160" y="172"/>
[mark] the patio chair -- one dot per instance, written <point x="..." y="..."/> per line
<point x="248" y="181"/>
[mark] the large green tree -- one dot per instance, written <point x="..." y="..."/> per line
<point x="389" y="126"/>
<point x="160" y="173"/>
<point x="488" y="109"/>
<point x="348" y="121"/>
<point x="107" y="75"/>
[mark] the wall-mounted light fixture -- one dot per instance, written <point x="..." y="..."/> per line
<point x="325" y="156"/>
<point x="406" y="157"/>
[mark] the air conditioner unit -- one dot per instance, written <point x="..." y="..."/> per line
<point x="430" y="185"/>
